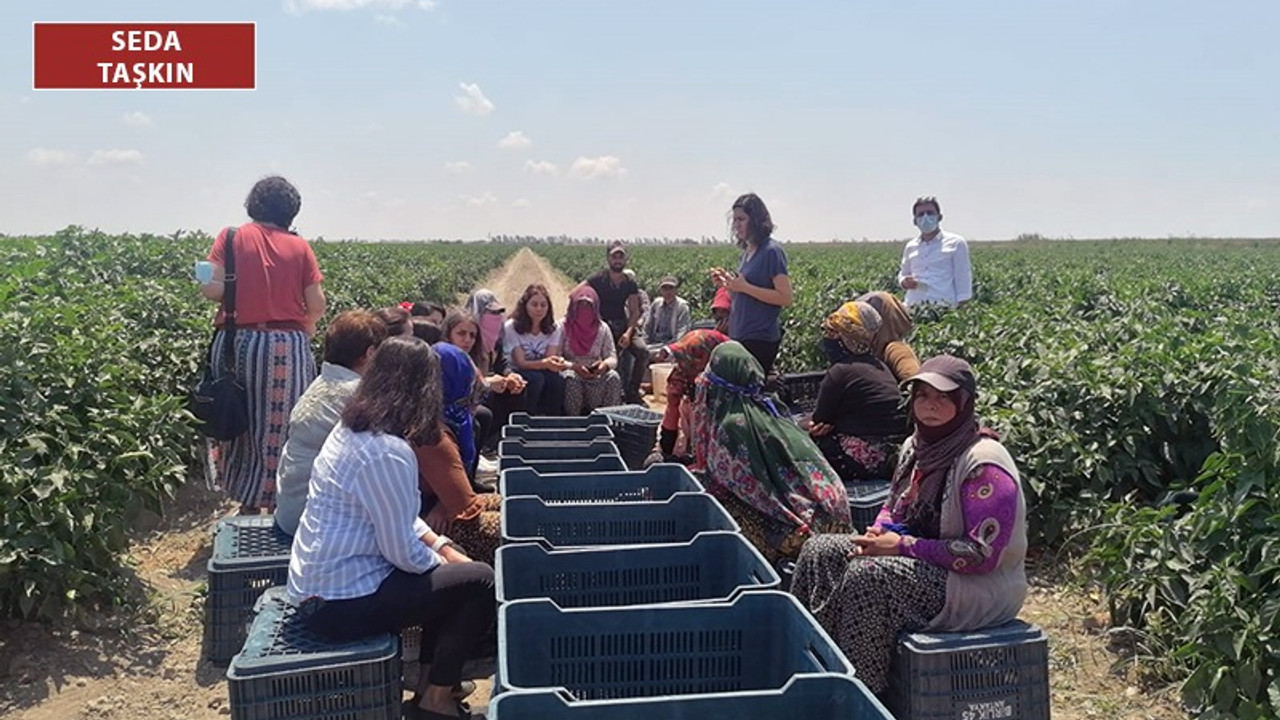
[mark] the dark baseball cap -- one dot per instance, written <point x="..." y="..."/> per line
<point x="669" y="280"/>
<point x="945" y="373"/>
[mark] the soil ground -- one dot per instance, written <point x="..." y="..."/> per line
<point x="146" y="663"/>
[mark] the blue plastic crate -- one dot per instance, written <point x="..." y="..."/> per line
<point x="286" y="672"/>
<point x="714" y="566"/>
<point x="677" y="519"/>
<point x="611" y="462"/>
<point x="636" y="431"/>
<point x="811" y="697"/>
<point x="758" y="641"/>
<point x="799" y="391"/>
<point x="556" y="421"/>
<point x="865" y="500"/>
<point x="556" y="451"/>
<point x="658" y="482"/>
<point x="556" y="435"/>
<point x="250" y="555"/>
<point x="1000" y="672"/>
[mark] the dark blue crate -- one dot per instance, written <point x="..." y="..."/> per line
<point x="556" y="435"/>
<point x="556" y="451"/>
<point x="865" y="500"/>
<point x="611" y="462"/>
<point x="800" y="390"/>
<point x="250" y="555"/>
<point x="658" y="482"/>
<point x="546" y="422"/>
<point x="286" y="672"/>
<point x="758" y="641"/>
<point x="1000" y="672"/>
<point x="635" y="429"/>
<point x="714" y="566"/>
<point x="806" y="697"/>
<point x="677" y="519"/>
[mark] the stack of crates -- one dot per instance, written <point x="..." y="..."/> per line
<point x="250" y="555"/>
<point x="631" y="593"/>
<point x="636" y="429"/>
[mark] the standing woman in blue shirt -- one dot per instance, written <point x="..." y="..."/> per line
<point x="761" y="287"/>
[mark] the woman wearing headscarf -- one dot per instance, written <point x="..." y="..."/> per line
<point x="762" y="467"/>
<point x="946" y="552"/>
<point x="591" y="380"/>
<point x="858" y="422"/>
<point x="453" y="507"/>
<point x="890" y="342"/>
<point x="505" y="386"/>
<point x="690" y="355"/>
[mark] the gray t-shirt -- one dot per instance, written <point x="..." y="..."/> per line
<point x="313" y="417"/>
<point x="750" y="319"/>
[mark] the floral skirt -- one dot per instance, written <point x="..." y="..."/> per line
<point x="856" y="459"/>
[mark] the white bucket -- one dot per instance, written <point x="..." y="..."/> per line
<point x="659" y="372"/>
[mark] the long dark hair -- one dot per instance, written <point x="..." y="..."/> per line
<point x="759" y="223"/>
<point x="456" y="318"/>
<point x="523" y="323"/>
<point x="399" y="393"/>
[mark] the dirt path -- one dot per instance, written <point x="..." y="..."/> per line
<point x="146" y="664"/>
<point x="526" y="268"/>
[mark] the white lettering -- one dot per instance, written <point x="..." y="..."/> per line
<point x="156" y="73"/>
<point x="145" y="41"/>
<point x="105" y="67"/>
<point x="991" y="710"/>
<point x="117" y="42"/>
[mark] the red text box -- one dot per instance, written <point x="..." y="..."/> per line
<point x="106" y="56"/>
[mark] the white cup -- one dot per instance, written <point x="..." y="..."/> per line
<point x="204" y="272"/>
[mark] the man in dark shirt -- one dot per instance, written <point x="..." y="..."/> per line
<point x="620" y="310"/>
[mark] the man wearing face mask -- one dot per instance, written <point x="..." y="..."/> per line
<point x="935" y="265"/>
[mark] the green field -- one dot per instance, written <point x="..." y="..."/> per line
<point x="1116" y="372"/>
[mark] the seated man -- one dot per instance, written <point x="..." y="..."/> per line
<point x="668" y="317"/>
<point x="349" y="343"/>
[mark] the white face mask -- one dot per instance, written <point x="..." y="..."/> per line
<point x="928" y="222"/>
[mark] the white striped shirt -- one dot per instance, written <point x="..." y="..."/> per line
<point x="361" y="518"/>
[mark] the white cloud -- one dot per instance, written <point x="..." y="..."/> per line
<point x="137" y="118"/>
<point x="514" y="141"/>
<point x="478" y="201"/>
<point x="473" y="102"/>
<point x="541" y="167"/>
<point x="721" y="191"/>
<point x="115" y="157"/>
<point x="458" y="168"/>
<point x="605" y="166"/>
<point x="44" y="157"/>
<point x="389" y="20"/>
<point x="301" y="6"/>
<point x="521" y="203"/>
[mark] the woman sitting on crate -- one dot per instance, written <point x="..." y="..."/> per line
<point x="763" y="468"/>
<point x="858" y="422"/>
<point x="690" y="355"/>
<point x="451" y="504"/>
<point x="362" y="561"/>
<point x="532" y="339"/>
<point x="890" y="341"/>
<point x="946" y="552"/>
<point x="591" y="381"/>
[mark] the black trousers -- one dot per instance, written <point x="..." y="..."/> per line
<point x="764" y="351"/>
<point x="453" y="603"/>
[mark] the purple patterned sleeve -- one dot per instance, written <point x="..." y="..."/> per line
<point x="989" y="501"/>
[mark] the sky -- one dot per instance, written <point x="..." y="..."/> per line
<point x="461" y="119"/>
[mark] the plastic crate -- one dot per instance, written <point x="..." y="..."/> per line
<point x="548" y="422"/>
<point x="1000" y="672"/>
<point x="556" y="435"/>
<point x="758" y="641"/>
<point x="479" y="668"/>
<point x="286" y="672"/>
<point x="800" y="391"/>
<point x="811" y="697"/>
<point x="563" y="450"/>
<point x="250" y="555"/>
<point x="714" y="566"/>
<point x="677" y="519"/>
<point x="865" y="500"/>
<point x="636" y="431"/>
<point x="600" y="463"/>
<point x="658" y="482"/>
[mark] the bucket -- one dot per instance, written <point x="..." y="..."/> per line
<point x="660" y="371"/>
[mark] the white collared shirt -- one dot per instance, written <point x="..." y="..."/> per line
<point x="941" y="268"/>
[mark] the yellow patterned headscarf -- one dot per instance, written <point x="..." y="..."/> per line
<point x="855" y="324"/>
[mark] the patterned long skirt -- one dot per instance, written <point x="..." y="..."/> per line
<point x="276" y="366"/>
<point x="581" y="396"/>
<point x="856" y="459"/>
<point x="864" y="602"/>
<point x="773" y="539"/>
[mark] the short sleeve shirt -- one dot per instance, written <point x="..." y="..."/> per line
<point x="273" y="267"/>
<point x="613" y="298"/>
<point x="750" y="319"/>
<point x="534" y="346"/>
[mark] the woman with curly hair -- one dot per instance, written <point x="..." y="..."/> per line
<point x="278" y="299"/>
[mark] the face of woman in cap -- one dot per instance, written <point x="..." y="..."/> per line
<point x="930" y="406"/>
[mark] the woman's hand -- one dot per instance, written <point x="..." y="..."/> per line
<point x="884" y="544"/>
<point x="555" y="363"/>
<point x="583" y="371"/>
<point x="452" y="555"/>
<point x="737" y="284"/>
<point x="515" y="383"/>
<point x="820" y="429"/>
<point x="720" y="276"/>
<point x="496" y="383"/>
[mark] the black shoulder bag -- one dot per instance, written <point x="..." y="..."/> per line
<point x="220" y="402"/>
